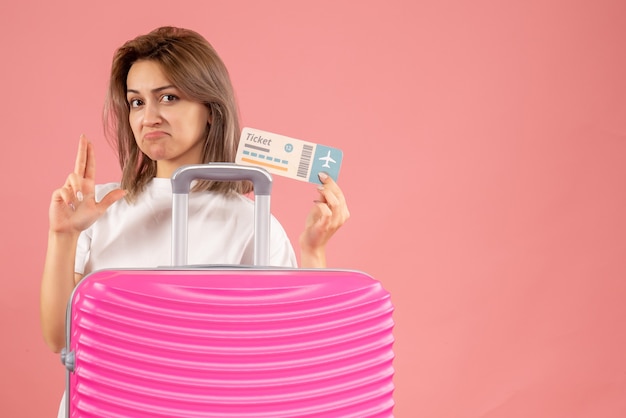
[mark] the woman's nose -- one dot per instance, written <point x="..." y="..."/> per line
<point x="151" y="115"/>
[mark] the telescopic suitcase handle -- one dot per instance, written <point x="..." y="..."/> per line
<point x="181" y="182"/>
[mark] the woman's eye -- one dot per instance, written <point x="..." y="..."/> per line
<point x="135" y="103"/>
<point x="169" y="98"/>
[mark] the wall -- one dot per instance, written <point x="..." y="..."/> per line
<point x="484" y="166"/>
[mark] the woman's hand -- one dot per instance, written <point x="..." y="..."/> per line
<point x="327" y="215"/>
<point x="73" y="207"/>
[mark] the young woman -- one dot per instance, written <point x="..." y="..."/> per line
<point x="170" y="102"/>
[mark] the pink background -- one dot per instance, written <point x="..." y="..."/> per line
<point x="484" y="166"/>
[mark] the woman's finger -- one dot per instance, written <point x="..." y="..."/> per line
<point x="110" y="198"/>
<point x="67" y="196"/>
<point x="90" y="164"/>
<point x="329" y="198"/>
<point x="334" y="198"/>
<point x="81" y="157"/>
<point x="323" y="213"/>
<point x="328" y="184"/>
<point x="75" y="184"/>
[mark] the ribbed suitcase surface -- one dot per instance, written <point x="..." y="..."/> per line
<point x="230" y="343"/>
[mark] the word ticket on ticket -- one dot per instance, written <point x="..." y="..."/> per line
<point x="289" y="157"/>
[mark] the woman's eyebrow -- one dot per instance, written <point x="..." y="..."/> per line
<point x="156" y="90"/>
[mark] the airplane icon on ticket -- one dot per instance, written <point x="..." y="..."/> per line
<point x="328" y="159"/>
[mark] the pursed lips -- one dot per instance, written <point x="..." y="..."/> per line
<point x="150" y="136"/>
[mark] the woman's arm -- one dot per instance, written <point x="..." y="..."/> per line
<point x="73" y="208"/>
<point x="57" y="283"/>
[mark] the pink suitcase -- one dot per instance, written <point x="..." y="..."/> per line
<point x="204" y="341"/>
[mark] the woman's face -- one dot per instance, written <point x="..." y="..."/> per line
<point x="168" y="127"/>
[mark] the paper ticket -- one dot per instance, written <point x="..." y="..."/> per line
<point x="289" y="157"/>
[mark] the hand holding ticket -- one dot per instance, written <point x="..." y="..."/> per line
<point x="289" y="157"/>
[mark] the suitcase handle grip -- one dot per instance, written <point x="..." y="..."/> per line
<point x="181" y="182"/>
<point x="261" y="178"/>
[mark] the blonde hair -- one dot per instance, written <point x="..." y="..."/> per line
<point x="193" y="66"/>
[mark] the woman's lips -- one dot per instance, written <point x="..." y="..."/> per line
<point x="150" y="136"/>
